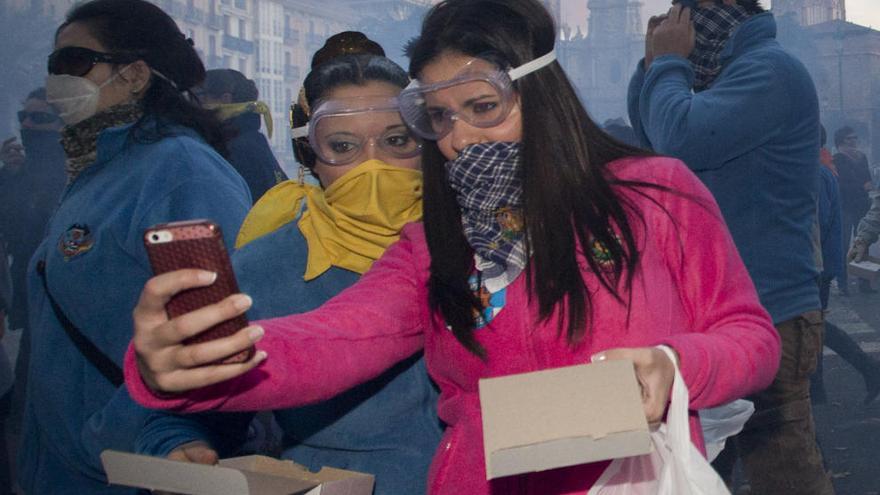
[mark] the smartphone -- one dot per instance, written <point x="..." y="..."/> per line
<point x="197" y="244"/>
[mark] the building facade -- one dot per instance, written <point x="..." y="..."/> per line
<point x="846" y="70"/>
<point x="811" y="12"/>
<point x="844" y="61"/>
<point x="601" y="62"/>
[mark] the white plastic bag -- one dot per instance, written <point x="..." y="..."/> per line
<point x="720" y="423"/>
<point x="675" y="467"/>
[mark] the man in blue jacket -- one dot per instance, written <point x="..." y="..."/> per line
<point x="716" y="90"/>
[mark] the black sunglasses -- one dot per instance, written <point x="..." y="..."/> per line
<point x="78" y="61"/>
<point x="37" y="117"/>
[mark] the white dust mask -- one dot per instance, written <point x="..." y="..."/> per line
<point x="76" y="98"/>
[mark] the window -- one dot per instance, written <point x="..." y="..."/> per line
<point x="241" y="29"/>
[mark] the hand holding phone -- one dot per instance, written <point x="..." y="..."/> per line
<point x="197" y="244"/>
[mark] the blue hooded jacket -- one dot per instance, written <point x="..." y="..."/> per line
<point x="831" y="233"/>
<point x="251" y="156"/>
<point x="96" y="267"/>
<point x="387" y="427"/>
<point x="753" y="138"/>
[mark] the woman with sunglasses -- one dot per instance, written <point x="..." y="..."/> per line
<point x="138" y="153"/>
<point x="301" y="244"/>
<point x="545" y="243"/>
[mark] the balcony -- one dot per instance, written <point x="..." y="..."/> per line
<point x="238" y="44"/>
<point x="291" y="72"/>
<point x="291" y="36"/>
<point x="215" y="22"/>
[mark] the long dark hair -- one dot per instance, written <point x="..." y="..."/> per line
<point x="140" y="28"/>
<point x="570" y="198"/>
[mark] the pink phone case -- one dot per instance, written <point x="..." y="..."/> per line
<point x="197" y="244"/>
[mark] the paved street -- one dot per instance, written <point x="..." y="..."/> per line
<point x="849" y="432"/>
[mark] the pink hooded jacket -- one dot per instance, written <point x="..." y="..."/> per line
<point x="691" y="292"/>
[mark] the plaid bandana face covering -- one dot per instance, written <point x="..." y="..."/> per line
<point x="486" y="180"/>
<point x="713" y="26"/>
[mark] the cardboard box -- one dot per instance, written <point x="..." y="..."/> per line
<point x="868" y="269"/>
<point x="562" y="417"/>
<point x="249" y="475"/>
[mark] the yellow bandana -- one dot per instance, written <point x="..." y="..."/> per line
<point x="351" y="223"/>
<point x="226" y="111"/>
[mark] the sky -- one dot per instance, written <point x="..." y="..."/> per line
<point x="864" y="12"/>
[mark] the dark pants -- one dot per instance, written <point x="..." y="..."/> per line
<point x="778" y="444"/>
<point x="844" y="346"/>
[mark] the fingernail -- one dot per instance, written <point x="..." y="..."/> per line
<point x="598" y="357"/>
<point x="261" y="356"/>
<point x="256" y="333"/>
<point x="207" y="277"/>
<point x="243" y="301"/>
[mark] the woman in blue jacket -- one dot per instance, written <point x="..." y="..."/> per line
<point x="138" y="153"/>
<point x="304" y="244"/>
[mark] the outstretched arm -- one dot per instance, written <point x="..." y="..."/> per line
<point x="301" y="359"/>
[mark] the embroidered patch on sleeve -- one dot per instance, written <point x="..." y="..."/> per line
<point x="75" y="241"/>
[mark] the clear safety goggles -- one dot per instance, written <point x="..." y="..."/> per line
<point x="340" y="130"/>
<point x="479" y="96"/>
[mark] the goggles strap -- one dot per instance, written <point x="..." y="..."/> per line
<point x="300" y="132"/>
<point x="164" y="78"/>
<point x="532" y="66"/>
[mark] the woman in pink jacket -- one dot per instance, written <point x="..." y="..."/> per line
<point x="544" y="243"/>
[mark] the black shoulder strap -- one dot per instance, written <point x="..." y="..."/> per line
<point x="111" y="371"/>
